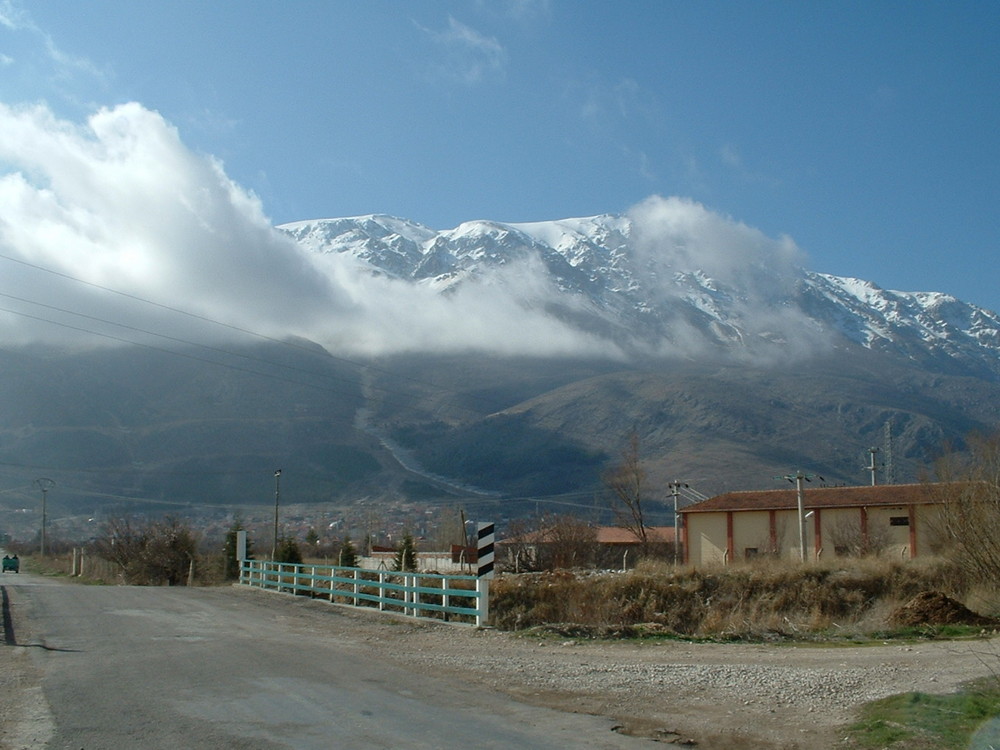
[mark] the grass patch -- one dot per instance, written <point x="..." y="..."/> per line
<point x="930" y="633"/>
<point x="920" y="721"/>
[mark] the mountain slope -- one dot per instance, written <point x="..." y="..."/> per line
<point x="729" y="361"/>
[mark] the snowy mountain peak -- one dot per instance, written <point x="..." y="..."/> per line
<point x="678" y="281"/>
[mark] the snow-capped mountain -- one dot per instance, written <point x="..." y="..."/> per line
<point x="660" y="288"/>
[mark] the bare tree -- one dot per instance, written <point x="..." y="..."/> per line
<point x="520" y="548"/>
<point x="569" y="542"/>
<point x="120" y="542"/>
<point x="159" y="552"/>
<point x="849" y="538"/>
<point x="969" y="520"/>
<point x="627" y="485"/>
<point x="551" y="541"/>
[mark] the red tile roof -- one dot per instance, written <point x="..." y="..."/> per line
<point x="618" y="535"/>
<point x="603" y="535"/>
<point x="823" y="497"/>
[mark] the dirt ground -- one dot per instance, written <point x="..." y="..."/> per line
<point x="720" y="696"/>
<point x="715" y="696"/>
<point x="724" y="696"/>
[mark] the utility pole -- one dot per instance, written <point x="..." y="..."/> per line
<point x="798" y="478"/>
<point x="277" y="496"/>
<point x="675" y="490"/>
<point x="43" y="484"/>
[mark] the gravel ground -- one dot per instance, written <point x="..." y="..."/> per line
<point x="717" y="696"/>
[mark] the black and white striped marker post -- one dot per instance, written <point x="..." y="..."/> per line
<point x="485" y="550"/>
<point x="485" y="571"/>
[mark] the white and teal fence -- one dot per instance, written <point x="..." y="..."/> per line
<point x="459" y="598"/>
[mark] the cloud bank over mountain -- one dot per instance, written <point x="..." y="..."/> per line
<point x="100" y="218"/>
<point x="120" y="203"/>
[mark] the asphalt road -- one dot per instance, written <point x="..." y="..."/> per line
<point x="137" y="667"/>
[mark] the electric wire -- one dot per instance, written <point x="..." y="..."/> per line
<point x="284" y="342"/>
<point x="476" y="497"/>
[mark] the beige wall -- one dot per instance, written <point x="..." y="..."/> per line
<point x="707" y="538"/>
<point x="891" y="531"/>
<point x="751" y="534"/>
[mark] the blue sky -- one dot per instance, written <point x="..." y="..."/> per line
<point x="867" y="132"/>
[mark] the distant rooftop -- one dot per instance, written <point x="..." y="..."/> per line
<point x="604" y="535"/>
<point x="824" y="497"/>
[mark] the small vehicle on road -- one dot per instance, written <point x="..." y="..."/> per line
<point x="11" y="563"/>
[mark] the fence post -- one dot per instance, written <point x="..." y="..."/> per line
<point x="355" y="587"/>
<point x="445" y="599"/>
<point x="485" y="572"/>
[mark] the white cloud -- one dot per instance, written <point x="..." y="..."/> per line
<point x="469" y="56"/>
<point x="523" y="11"/>
<point x="730" y="156"/>
<point x="685" y="236"/>
<point x="607" y="106"/>
<point x="11" y="15"/>
<point x="121" y="203"/>
<point x="752" y="275"/>
<point x="502" y="313"/>
<point x="65" y="65"/>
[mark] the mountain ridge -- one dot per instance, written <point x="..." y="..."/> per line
<point x="603" y="279"/>
<point x="731" y="363"/>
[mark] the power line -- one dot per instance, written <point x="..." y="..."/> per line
<point x="205" y="319"/>
<point x="390" y="396"/>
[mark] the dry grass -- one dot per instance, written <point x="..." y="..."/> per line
<point x="762" y="599"/>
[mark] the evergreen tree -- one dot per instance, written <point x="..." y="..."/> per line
<point x="406" y="554"/>
<point x="288" y="551"/>
<point x="348" y="554"/>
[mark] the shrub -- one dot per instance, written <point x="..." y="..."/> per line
<point x="160" y="552"/>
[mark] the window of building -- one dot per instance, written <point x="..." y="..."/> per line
<point x="899" y="520"/>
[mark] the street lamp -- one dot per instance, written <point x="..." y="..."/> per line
<point x="43" y="484"/>
<point x="277" y="496"/>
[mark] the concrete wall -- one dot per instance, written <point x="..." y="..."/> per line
<point x="438" y="562"/>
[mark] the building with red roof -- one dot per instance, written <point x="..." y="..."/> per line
<point x="896" y="520"/>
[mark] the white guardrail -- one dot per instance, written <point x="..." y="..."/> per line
<point x="460" y="598"/>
